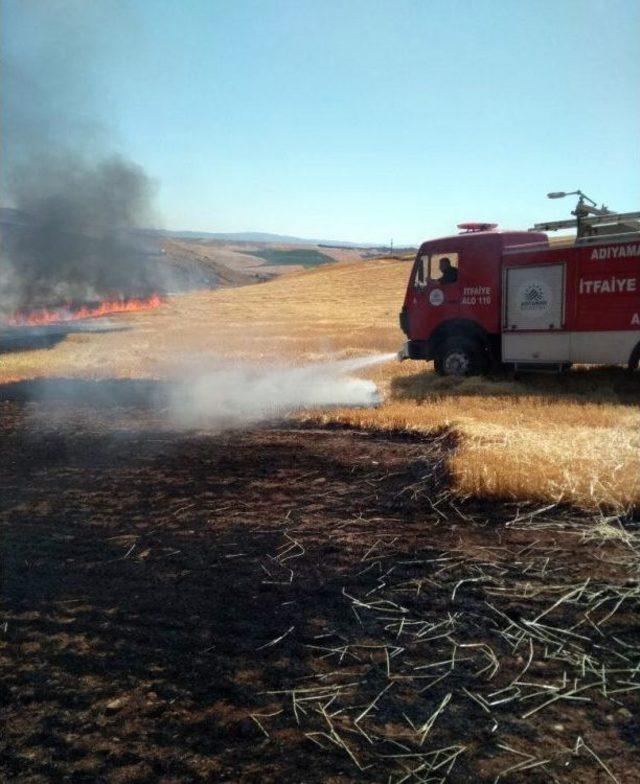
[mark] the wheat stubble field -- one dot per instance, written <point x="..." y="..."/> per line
<point x="440" y="589"/>
<point x="572" y="439"/>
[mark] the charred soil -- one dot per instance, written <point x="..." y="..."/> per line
<point x="299" y="605"/>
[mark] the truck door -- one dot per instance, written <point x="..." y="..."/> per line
<point x="533" y="320"/>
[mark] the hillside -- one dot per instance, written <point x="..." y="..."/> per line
<point x="187" y="261"/>
<point x="251" y="261"/>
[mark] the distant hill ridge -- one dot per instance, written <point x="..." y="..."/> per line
<point x="258" y="236"/>
<point x="11" y="216"/>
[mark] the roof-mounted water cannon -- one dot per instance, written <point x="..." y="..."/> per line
<point x="581" y="209"/>
<point x="562" y="194"/>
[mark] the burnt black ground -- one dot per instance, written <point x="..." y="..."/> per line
<point x="148" y="576"/>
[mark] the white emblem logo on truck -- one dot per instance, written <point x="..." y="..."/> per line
<point x="534" y="297"/>
<point x="436" y="297"/>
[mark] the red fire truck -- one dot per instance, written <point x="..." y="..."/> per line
<point x="484" y="297"/>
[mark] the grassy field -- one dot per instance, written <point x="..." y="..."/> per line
<point x="548" y="439"/>
<point x="306" y="257"/>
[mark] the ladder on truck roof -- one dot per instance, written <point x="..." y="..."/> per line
<point x="612" y="223"/>
<point x="590" y="220"/>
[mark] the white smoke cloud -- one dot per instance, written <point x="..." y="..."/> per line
<point x="240" y="395"/>
<point x="214" y="396"/>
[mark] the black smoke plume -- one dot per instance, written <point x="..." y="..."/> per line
<point x="76" y="207"/>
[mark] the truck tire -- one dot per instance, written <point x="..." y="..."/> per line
<point x="461" y="357"/>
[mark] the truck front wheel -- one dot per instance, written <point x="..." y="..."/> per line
<point x="461" y="357"/>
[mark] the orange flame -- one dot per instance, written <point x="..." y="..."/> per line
<point x="44" y="316"/>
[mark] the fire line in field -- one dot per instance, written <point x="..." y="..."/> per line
<point x="43" y="316"/>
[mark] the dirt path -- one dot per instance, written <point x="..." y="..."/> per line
<point x="291" y="605"/>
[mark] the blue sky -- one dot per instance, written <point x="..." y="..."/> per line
<point x="359" y="120"/>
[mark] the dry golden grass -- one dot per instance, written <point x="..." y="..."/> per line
<point x="574" y="438"/>
<point x="580" y="445"/>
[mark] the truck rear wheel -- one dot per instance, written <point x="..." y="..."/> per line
<point x="461" y="357"/>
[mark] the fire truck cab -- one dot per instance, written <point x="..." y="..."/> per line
<point x="485" y="297"/>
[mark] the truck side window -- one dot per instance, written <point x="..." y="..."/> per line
<point x="444" y="268"/>
<point x="422" y="272"/>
